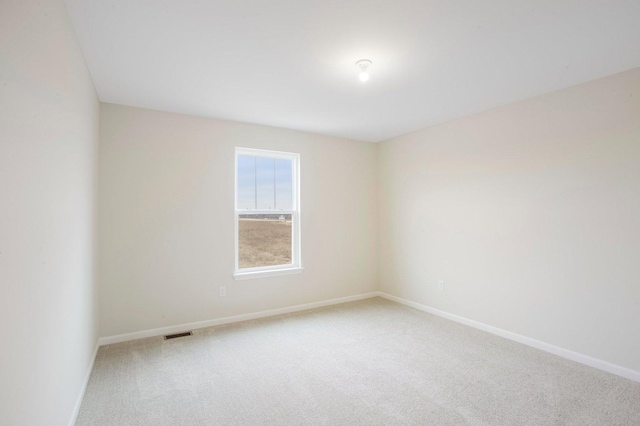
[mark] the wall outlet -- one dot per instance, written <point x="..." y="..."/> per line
<point x="223" y="291"/>
<point x="441" y="285"/>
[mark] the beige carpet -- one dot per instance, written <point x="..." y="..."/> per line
<point x="372" y="362"/>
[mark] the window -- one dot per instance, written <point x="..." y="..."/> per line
<point x="267" y="213"/>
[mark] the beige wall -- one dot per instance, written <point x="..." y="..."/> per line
<point x="166" y="219"/>
<point x="48" y="148"/>
<point x="530" y="213"/>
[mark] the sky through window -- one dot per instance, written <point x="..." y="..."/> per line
<point x="264" y="183"/>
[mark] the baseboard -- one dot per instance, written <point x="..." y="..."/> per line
<point x="227" y="320"/>
<point x="76" y="408"/>
<point x="547" y="347"/>
<point x="556" y="350"/>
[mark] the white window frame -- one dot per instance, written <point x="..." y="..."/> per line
<point x="296" y="254"/>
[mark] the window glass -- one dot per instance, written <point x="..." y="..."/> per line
<point x="264" y="240"/>
<point x="246" y="182"/>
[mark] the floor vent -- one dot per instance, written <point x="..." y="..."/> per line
<point x="175" y="336"/>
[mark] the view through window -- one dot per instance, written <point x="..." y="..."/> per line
<point x="266" y="210"/>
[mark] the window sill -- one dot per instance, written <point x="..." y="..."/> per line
<point x="268" y="273"/>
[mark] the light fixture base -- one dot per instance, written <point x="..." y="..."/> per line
<point x="363" y="64"/>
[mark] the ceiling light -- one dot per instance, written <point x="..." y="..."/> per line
<point x="363" y="64"/>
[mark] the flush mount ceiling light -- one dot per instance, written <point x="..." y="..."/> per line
<point x="363" y="64"/>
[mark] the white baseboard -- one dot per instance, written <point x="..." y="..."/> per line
<point x="556" y="350"/>
<point x="227" y="320"/>
<point x="76" y="408"/>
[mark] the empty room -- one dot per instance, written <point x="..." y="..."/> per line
<point x="316" y="212"/>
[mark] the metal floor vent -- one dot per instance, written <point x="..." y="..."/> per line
<point x="175" y="336"/>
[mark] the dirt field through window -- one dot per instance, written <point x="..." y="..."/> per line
<point x="264" y="242"/>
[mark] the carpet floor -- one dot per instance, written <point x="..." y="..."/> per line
<point x="370" y="362"/>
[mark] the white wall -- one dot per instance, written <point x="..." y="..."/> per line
<point x="530" y="213"/>
<point x="167" y="210"/>
<point x="48" y="156"/>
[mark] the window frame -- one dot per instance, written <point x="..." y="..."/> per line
<point x="296" y="253"/>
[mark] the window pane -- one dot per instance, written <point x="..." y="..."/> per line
<point x="264" y="240"/>
<point x="284" y="191"/>
<point x="266" y="183"/>
<point x="246" y="182"/>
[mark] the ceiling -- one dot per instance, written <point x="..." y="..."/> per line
<point x="291" y="63"/>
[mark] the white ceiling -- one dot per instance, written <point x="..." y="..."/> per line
<point x="291" y="63"/>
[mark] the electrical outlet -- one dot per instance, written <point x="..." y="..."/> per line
<point x="223" y="291"/>
<point x="441" y="285"/>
